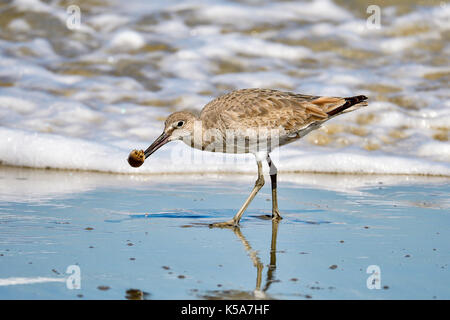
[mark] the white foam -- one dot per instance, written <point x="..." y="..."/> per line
<point x="31" y="5"/>
<point x="19" y="25"/>
<point x="53" y="119"/>
<point x="274" y="12"/>
<point x="435" y="150"/>
<point x="258" y="80"/>
<point x="258" y="47"/>
<point x="108" y="22"/>
<point x="46" y="150"/>
<point x="127" y="40"/>
<point x="356" y="162"/>
<point x="15" y="104"/>
<point x="21" y="280"/>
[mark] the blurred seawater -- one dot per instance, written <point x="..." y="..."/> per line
<point x="82" y="99"/>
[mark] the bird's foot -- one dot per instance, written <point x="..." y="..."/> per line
<point x="226" y="224"/>
<point x="276" y="216"/>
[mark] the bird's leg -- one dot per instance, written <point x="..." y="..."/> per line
<point x="273" y="179"/>
<point x="258" y="185"/>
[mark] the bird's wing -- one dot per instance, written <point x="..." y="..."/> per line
<point x="270" y="109"/>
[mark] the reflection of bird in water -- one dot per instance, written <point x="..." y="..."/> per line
<point x="251" y="121"/>
<point x="258" y="293"/>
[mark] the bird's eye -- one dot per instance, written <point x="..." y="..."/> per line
<point x="180" y="123"/>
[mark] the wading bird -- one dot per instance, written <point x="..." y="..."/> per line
<point x="251" y="121"/>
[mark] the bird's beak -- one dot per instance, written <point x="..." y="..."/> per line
<point x="158" y="143"/>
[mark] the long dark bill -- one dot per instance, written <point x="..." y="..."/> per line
<point x="159" y="142"/>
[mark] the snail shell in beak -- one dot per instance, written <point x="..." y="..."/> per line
<point x="136" y="158"/>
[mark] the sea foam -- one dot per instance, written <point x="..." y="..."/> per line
<point x="83" y="99"/>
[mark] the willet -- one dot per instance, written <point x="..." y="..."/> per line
<point x="251" y="121"/>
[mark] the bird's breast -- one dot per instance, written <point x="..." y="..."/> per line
<point x="239" y="141"/>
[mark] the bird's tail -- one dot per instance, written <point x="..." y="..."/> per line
<point x="350" y="104"/>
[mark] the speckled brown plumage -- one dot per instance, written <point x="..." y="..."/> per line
<point x="238" y="122"/>
<point x="272" y="109"/>
<point x="235" y="114"/>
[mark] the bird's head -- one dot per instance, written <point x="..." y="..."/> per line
<point x="178" y="125"/>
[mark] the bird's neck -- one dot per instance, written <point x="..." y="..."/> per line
<point x="201" y="135"/>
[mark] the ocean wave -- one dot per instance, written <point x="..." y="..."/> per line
<point x="81" y="100"/>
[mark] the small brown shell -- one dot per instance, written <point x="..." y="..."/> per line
<point x="136" y="158"/>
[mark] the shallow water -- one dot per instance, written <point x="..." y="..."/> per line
<point x="82" y="99"/>
<point x="150" y="233"/>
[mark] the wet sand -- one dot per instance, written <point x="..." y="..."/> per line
<point x="147" y="236"/>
